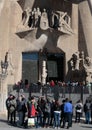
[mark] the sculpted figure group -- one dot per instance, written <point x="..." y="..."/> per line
<point x="46" y="19"/>
<point x="88" y="69"/>
<point x="77" y="58"/>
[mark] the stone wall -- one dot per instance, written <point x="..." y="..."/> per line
<point x="37" y="38"/>
<point x="86" y="21"/>
<point x="15" y="39"/>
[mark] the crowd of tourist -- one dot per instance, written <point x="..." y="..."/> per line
<point x="45" y="113"/>
<point x="64" y="87"/>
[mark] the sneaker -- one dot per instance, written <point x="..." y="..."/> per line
<point x="58" y="127"/>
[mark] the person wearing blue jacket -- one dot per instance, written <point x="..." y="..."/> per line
<point x="68" y="110"/>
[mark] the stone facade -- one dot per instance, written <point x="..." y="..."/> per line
<point x="17" y="36"/>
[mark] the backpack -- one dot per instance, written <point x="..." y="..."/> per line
<point x="12" y="106"/>
<point x="78" y="107"/>
<point x="8" y="103"/>
<point x="48" y="107"/>
<point x="86" y="107"/>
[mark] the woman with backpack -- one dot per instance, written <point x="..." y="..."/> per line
<point x="78" y="111"/>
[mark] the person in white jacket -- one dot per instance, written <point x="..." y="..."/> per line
<point x="78" y="110"/>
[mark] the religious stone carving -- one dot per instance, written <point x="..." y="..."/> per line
<point x="25" y="16"/>
<point x="44" y="20"/>
<point x="72" y="64"/>
<point x="64" y="22"/>
<point x="88" y="69"/>
<point x="44" y="72"/>
<point x="11" y="66"/>
<point x="36" y="17"/>
<point x="86" y="64"/>
<point x="47" y="19"/>
<point x="76" y="60"/>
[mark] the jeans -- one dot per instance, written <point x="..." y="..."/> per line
<point x="56" y="119"/>
<point x="39" y="120"/>
<point x="88" y="116"/>
<point x="20" y="115"/>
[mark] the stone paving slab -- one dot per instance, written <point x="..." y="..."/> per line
<point x="76" y="126"/>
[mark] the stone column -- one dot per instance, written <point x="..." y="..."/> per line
<point x="39" y="67"/>
<point x="86" y="19"/>
<point x="44" y="73"/>
<point x="75" y="18"/>
<point x="3" y="94"/>
<point x="74" y="25"/>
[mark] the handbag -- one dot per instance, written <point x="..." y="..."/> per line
<point x="31" y="121"/>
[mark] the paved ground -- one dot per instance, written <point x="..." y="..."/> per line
<point x="76" y="126"/>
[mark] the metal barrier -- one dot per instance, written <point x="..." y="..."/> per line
<point x="61" y="89"/>
<point x="69" y="89"/>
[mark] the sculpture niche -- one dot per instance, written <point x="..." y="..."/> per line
<point x="47" y="19"/>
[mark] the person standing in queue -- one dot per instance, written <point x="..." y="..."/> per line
<point x="68" y="109"/>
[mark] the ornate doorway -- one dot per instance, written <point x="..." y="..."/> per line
<point x="32" y="66"/>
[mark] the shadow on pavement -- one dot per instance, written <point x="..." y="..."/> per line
<point x="86" y="126"/>
<point x="3" y="120"/>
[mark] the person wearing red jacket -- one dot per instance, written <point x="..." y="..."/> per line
<point x="32" y="112"/>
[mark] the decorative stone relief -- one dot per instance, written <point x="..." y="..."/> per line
<point x="26" y="16"/>
<point x="44" y="20"/>
<point x="10" y="62"/>
<point x="64" y="22"/>
<point x="88" y="69"/>
<point x="34" y="18"/>
<point x="44" y="72"/>
<point x="77" y="58"/>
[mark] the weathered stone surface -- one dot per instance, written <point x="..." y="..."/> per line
<point x="16" y="38"/>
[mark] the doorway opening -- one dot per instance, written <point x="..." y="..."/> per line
<point x="31" y="68"/>
<point x="55" y="66"/>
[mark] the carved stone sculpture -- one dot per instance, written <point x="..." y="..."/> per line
<point x="76" y="60"/>
<point x="26" y="15"/>
<point x="72" y="65"/>
<point x="36" y="16"/>
<point x="44" y="20"/>
<point x="44" y="72"/>
<point x="79" y="62"/>
<point x="64" y="22"/>
<point x="55" y="19"/>
<point x="11" y="68"/>
<point x="88" y="69"/>
<point x="67" y="19"/>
